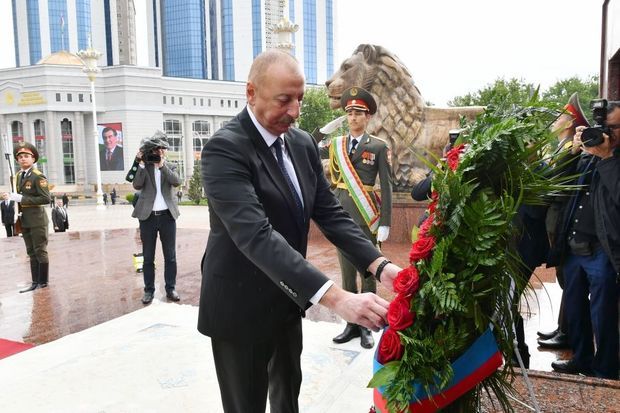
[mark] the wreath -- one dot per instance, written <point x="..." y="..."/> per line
<point x="459" y="289"/>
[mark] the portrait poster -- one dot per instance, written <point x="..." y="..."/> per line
<point x="111" y="146"/>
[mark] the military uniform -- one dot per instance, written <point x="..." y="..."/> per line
<point x="369" y="158"/>
<point x="33" y="187"/>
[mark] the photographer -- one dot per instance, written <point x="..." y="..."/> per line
<point x="588" y="247"/>
<point x="157" y="211"/>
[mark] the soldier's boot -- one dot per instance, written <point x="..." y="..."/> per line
<point x="34" y="271"/>
<point x="43" y="274"/>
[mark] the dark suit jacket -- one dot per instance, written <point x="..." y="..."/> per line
<point x="145" y="183"/>
<point x="116" y="163"/>
<point x="59" y="221"/>
<point x="8" y="212"/>
<point x="255" y="278"/>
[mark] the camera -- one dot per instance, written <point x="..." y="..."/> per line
<point x="593" y="136"/>
<point x="152" y="158"/>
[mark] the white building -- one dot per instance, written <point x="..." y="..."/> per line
<point x="49" y="105"/>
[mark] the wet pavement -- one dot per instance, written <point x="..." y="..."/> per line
<point x="92" y="280"/>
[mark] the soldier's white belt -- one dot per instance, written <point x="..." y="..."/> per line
<point x="342" y="185"/>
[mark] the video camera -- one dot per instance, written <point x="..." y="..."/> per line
<point x="593" y="136"/>
<point x="150" y="146"/>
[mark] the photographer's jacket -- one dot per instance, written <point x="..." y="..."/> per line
<point x="606" y="202"/>
<point x="144" y="181"/>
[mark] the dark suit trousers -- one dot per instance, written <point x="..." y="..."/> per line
<point x="247" y="371"/>
<point x="9" y="230"/>
<point x="166" y="226"/>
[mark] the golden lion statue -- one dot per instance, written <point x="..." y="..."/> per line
<point x="402" y="120"/>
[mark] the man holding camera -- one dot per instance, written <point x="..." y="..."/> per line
<point x="157" y="211"/>
<point x="588" y="247"/>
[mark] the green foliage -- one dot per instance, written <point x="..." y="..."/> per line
<point x="315" y="110"/>
<point x="194" y="192"/>
<point x="129" y="197"/>
<point x="518" y="92"/>
<point x="513" y="91"/>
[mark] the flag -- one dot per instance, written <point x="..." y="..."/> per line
<point x="478" y="362"/>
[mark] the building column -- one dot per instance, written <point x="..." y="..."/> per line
<point x="54" y="154"/>
<point x="188" y="138"/>
<point x="79" y="150"/>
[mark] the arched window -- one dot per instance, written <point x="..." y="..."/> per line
<point x="40" y="144"/>
<point x="201" y="133"/>
<point x="17" y="131"/>
<point x="68" y="161"/>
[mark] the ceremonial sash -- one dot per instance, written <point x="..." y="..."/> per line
<point x="354" y="185"/>
<point x="478" y="362"/>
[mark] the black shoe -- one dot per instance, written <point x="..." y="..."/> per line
<point x="350" y="332"/>
<point x="32" y="287"/>
<point x="366" y="339"/>
<point x="570" y="367"/>
<point x="559" y="341"/>
<point x="547" y="335"/>
<point x="172" y="295"/>
<point x="148" y="297"/>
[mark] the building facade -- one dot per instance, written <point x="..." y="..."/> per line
<point x="50" y="106"/>
<point x="218" y="39"/>
<point x="43" y="27"/>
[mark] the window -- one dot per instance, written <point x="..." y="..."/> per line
<point x="222" y="102"/>
<point x="172" y="100"/>
<point x="57" y="97"/>
<point x="194" y="101"/>
<point x="228" y="102"/>
<point x="202" y="102"/>
<point x="39" y="141"/>
<point x="180" y="100"/>
<point x="68" y="161"/>
<point x="236" y="103"/>
<point x="17" y="131"/>
<point x="69" y="97"/>
<point x="172" y="129"/>
<point x="81" y="97"/>
<point x="209" y="102"/>
<point x="201" y="132"/>
<point x="164" y="100"/>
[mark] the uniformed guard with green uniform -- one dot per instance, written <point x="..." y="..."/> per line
<point x="355" y="161"/>
<point x="32" y="195"/>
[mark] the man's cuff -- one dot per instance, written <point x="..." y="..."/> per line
<point x="15" y="197"/>
<point x="319" y="294"/>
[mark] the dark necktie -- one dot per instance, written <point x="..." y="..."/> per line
<point x="278" y="147"/>
<point x="353" y="145"/>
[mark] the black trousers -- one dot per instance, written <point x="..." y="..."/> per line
<point x="166" y="226"/>
<point x="9" y="230"/>
<point x="246" y="372"/>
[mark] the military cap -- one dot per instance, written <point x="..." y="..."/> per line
<point x="25" y="147"/>
<point x="573" y="108"/>
<point x="358" y="99"/>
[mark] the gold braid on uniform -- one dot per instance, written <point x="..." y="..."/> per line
<point x="334" y="169"/>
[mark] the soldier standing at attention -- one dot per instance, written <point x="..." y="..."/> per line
<point x="32" y="194"/>
<point x="355" y="161"/>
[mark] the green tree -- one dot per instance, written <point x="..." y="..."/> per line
<point x="194" y="192"/>
<point x="515" y="91"/>
<point x="561" y="91"/>
<point x="315" y="110"/>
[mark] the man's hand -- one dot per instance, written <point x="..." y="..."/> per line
<point x="603" y="151"/>
<point x="162" y="155"/>
<point x="366" y="309"/>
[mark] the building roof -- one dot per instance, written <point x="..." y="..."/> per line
<point x="61" y="58"/>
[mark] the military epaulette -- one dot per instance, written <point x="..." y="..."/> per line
<point x="36" y="171"/>
<point x="377" y="138"/>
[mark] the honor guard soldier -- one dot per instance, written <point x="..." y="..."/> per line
<point x="355" y="161"/>
<point x="32" y="195"/>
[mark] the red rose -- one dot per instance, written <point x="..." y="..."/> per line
<point x="390" y="347"/>
<point x="422" y="248"/>
<point x="454" y="156"/>
<point x="432" y="207"/>
<point x="399" y="315"/>
<point x="407" y="281"/>
<point x="426" y="226"/>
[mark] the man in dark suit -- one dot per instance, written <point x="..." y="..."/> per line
<point x="60" y="217"/>
<point x="8" y="216"/>
<point x="110" y="154"/>
<point x="264" y="182"/>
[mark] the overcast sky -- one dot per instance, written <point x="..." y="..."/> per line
<point x="452" y="47"/>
